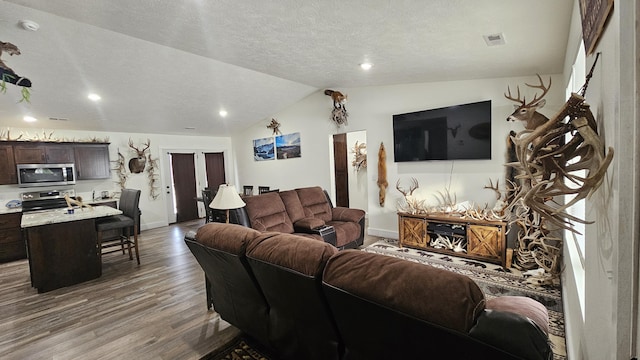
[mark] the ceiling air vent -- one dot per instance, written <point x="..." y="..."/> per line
<point x="58" y="119"/>
<point x="494" y="39"/>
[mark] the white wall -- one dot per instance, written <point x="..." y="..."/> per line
<point x="371" y="109"/>
<point x="611" y="253"/>
<point x="154" y="212"/>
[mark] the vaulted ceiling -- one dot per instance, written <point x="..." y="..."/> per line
<point x="170" y="66"/>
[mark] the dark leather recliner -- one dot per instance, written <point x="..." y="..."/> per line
<point x="389" y="308"/>
<point x="232" y="289"/>
<point x="304" y="299"/>
<point x="289" y="270"/>
<point x="305" y="211"/>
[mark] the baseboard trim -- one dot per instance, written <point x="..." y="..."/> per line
<point x="383" y="233"/>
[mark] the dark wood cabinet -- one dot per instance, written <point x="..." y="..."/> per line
<point x="12" y="246"/>
<point x="475" y="239"/>
<point x="8" y="165"/>
<point x="37" y="153"/>
<point x="59" y="154"/>
<point x="63" y="254"/>
<point x="92" y="161"/>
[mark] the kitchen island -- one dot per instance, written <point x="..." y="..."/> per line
<point x="61" y="247"/>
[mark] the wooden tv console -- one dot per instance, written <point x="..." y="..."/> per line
<point x="481" y="239"/>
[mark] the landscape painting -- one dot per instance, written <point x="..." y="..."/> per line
<point x="263" y="149"/>
<point x="288" y="146"/>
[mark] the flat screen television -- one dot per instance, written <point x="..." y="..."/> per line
<point x="448" y="133"/>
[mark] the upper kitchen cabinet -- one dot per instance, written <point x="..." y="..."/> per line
<point x="38" y="153"/>
<point x="7" y="163"/>
<point x="92" y="161"/>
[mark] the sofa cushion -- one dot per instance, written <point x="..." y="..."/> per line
<point x="315" y="203"/>
<point x="346" y="232"/>
<point x="268" y="213"/>
<point x="293" y="205"/>
<point x="229" y="238"/>
<point x="300" y="254"/>
<point x="445" y="298"/>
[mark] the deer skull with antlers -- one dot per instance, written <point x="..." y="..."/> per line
<point x="527" y="111"/>
<point x="137" y="164"/>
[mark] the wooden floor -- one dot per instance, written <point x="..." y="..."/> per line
<point x="156" y="310"/>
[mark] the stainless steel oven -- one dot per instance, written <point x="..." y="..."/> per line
<point x="46" y="174"/>
<point x="45" y="199"/>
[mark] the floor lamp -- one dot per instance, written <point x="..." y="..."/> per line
<point x="227" y="198"/>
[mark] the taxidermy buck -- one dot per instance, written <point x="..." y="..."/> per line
<point x="137" y="164"/>
<point x="527" y="111"/>
<point x="10" y="49"/>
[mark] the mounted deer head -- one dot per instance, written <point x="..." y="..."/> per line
<point x="137" y="164"/>
<point x="527" y="111"/>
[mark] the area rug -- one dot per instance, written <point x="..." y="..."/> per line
<point x="494" y="280"/>
<point x="241" y="347"/>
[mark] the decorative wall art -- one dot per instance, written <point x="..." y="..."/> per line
<point x="339" y="113"/>
<point x="359" y="151"/>
<point x="594" y="14"/>
<point x="263" y="149"/>
<point x="7" y="75"/>
<point x="288" y="146"/>
<point x="275" y="126"/>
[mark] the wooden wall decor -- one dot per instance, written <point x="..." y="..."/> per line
<point x="594" y="14"/>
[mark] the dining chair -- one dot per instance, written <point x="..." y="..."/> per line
<point x="207" y="197"/>
<point x="129" y="205"/>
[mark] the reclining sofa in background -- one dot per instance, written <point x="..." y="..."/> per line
<point x="303" y="299"/>
<point x="307" y="212"/>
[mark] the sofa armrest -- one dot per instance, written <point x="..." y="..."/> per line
<point x="340" y="213"/>
<point x="307" y="224"/>
<point x="318" y="227"/>
<point x="513" y="333"/>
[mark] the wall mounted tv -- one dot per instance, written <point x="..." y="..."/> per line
<point x="448" y="133"/>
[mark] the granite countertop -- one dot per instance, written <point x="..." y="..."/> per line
<point x="6" y="210"/>
<point x="54" y="216"/>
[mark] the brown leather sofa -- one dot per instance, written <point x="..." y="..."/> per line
<point x="307" y="212"/>
<point x="307" y="300"/>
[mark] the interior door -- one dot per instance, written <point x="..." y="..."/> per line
<point x="184" y="183"/>
<point x="214" y="167"/>
<point x="341" y="169"/>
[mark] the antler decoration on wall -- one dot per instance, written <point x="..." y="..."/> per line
<point x="339" y="113"/>
<point x="154" y="188"/>
<point x="138" y="163"/>
<point x="359" y="156"/>
<point x="121" y="170"/>
<point x="552" y="153"/>
<point x="275" y="126"/>
<point x="7" y="75"/>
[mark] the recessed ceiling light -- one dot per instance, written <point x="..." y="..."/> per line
<point x="223" y="113"/>
<point x="29" y="25"/>
<point x="94" y="97"/>
<point x="366" y="66"/>
<point x="29" y="119"/>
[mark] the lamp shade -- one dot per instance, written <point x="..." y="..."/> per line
<point x="227" y="198"/>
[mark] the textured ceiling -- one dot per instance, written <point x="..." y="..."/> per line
<point x="163" y="65"/>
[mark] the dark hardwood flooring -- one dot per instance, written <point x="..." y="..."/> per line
<point x="156" y="310"/>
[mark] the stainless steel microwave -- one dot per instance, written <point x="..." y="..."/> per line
<point x="30" y="175"/>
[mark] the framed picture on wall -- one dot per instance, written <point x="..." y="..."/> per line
<point x="288" y="146"/>
<point x="594" y="14"/>
<point x="263" y="149"/>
